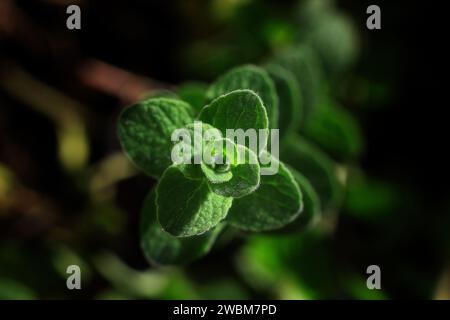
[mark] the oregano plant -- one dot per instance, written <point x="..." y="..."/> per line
<point x="209" y="179"/>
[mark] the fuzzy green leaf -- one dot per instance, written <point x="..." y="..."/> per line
<point x="253" y="78"/>
<point x="161" y="248"/>
<point x="188" y="207"/>
<point x="215" y="177"/>
<point x="277" y="202"/>
<point x="198" y="135"/>
<point x="289" y="94"/>
<point x="191" y="171"/>
<point x="216" y="162"/>
<point x="245" y="175"/>
<point x="145" y="131"/>
<point x="316" y="166"/>
<point x="239" y="109"/>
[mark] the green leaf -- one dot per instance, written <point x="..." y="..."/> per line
<point x="306" y="68"/>
<point x="288" y="90"/>
<point x="277" y="202"/>
<point x="192" y="140"/>
<point x="238" y="110"/>
<point x="215" y="177"/>
<point x="217" y="160"/>
<point x="193" y="93"/>
<point x="188" y="207"/>
<point x="200" y="136"/>
<point x="253" y="78"/>
<point x="245" y="174"/>
<point x="336" y="131"/>
<point x="316" y="166"/>
<point x="311" y="203"/>
<point x="191" y="171"/>
<point x="161" y="248"/>
<point x="145" y="131"/>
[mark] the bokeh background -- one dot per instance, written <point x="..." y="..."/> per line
<point x="69" y="196"/>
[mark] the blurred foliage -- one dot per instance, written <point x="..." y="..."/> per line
<point x="291" y="267"/>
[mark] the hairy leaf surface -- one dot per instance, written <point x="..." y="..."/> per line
<point x="245" y="175"/>
<point x="187" y="207"/>
<point x="238" y="110"/>
<point x="277" y="202"/>
<point x="145" y="131"/>
<point x="253" y="78"/>
<point x="164" y="249"/>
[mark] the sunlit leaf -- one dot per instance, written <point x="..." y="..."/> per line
<point x="277" y="202"/>
<point x="145" y="131"/>
<point x="162" y="248"/>
<point x="252" y="78"/>
<point x="187" y="207"/>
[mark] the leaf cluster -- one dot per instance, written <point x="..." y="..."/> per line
<point x="192" y="202"/>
